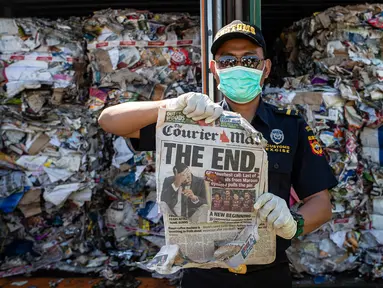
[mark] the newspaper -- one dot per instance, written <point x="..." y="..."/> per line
<point x="208" y="179"/>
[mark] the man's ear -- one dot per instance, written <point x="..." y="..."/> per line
<point x="212" y="67"/>
<point x="266" y="71"/>
<point x="213" y="70"/>
<point x="267" y="68"/>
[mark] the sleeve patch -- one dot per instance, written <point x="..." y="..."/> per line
<point x="316" y="148"/>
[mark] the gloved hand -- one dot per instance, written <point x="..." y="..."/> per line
<point x="273" y="210"/>
<point x="196" y="106"/>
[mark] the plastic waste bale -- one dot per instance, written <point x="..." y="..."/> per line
<point x="42" y="54"/>
<point x="333" y="76"/>
<point x="137" y="55"/>
<point x="49" y="175"/>
<point x="72" y="197"/>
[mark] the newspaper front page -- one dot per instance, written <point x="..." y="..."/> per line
<point x="208" y="179"/>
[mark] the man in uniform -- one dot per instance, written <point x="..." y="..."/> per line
<point x="248" y="203"/>
<point x="226" y="202"/>
<point x="240" y="67"/>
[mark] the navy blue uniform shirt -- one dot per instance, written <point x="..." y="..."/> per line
<point x="295" y="156"/>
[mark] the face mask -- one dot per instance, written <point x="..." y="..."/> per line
<point x="240" y="84"/>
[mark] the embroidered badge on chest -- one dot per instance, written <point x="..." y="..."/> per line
<point x="277" y="136"/>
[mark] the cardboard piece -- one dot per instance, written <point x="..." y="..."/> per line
<point x="30" y="203"/>
<point x="314" y="99"/>
<point x="38" y="144"/>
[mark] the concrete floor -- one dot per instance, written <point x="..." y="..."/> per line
<point x="73" y="283"/>
<point x="147" y="282"/>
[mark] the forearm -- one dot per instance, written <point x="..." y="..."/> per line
<point x="316" y="211"/>
<point x="128" y="118"/>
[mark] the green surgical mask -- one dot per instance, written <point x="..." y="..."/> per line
<point x="240" y="84"/>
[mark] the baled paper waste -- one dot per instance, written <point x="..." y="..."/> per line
<point x="334" y="77"/>
<point x="72" y="197"/>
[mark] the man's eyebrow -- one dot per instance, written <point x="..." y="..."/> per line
<point x="226" y="54"/>
<point x="252" y="52"/>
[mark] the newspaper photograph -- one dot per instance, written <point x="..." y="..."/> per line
<point x="208" y="179"/>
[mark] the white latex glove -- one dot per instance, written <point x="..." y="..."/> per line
<point x="196" y="106"/>
<point x="273" y="210"/>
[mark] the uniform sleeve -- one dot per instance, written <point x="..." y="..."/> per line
<point x="147" y="140"/>
<point x="311" y="171"/>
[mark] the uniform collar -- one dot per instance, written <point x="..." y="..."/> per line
<point x="262" y="112"/>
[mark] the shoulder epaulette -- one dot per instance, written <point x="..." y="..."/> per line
<point x="287" y="111"/>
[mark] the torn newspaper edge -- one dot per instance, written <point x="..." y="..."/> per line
<point x="229" y="255"/>
<point x="208" y="178"/>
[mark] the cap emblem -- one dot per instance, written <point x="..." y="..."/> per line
<point x="236" y="28"/>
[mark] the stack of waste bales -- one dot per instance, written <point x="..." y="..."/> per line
<point x="334" y="78"/>
<point x="72" y="197"/>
